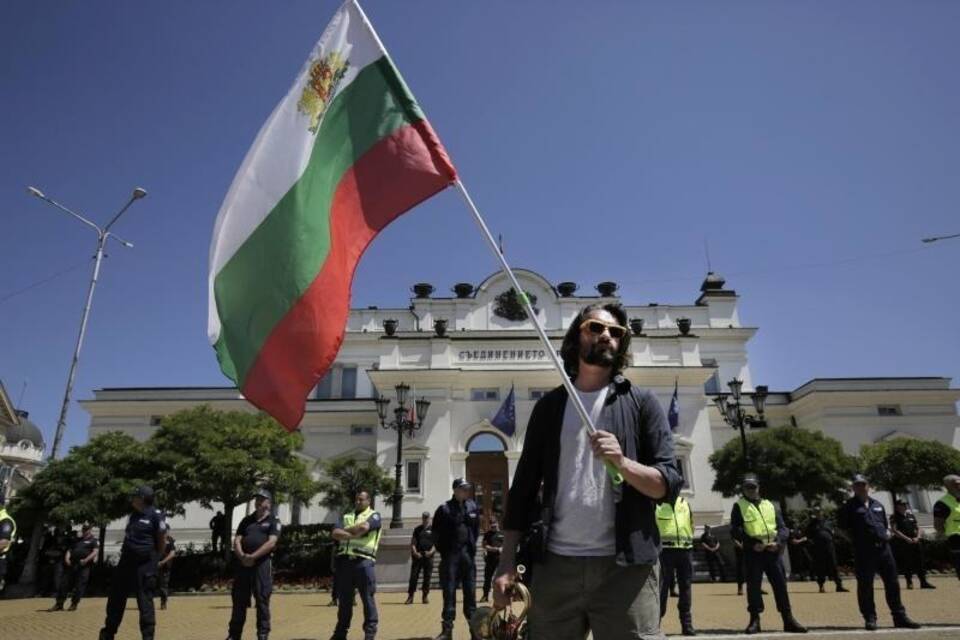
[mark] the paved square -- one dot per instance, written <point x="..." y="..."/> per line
<point x="717" y="610"/>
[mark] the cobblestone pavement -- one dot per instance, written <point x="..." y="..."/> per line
<point x="717" y="610"/>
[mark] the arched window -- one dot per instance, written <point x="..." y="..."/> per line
<point x="485" y="442"/>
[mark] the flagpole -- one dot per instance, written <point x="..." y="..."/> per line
<point x="521" y="294"/>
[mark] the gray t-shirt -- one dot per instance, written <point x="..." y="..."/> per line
<point x="583" y="521"/>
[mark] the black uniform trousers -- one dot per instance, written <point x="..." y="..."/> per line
<point x="163" y="583"/>
<point x="953" y="544"/>
<point x="715" y="565"/>
<point x="258" y="581"/>
<point x="770" y="563"/>
<point x="138" y="575"/>
<point x="741" y="566"/>
<point x="909" y="558"/>
<point x="358" y="574"/>
<point x="870" y="561"/>
<point x="73" y="578"/>
<point x="423" y="565"/>
<point x="679" y="561"/>
<point x="457" y="569"/>
<point x="825" y="563"/>
<point x="490" y="562"/>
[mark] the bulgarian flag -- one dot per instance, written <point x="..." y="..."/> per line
<point x="346" y="152"/>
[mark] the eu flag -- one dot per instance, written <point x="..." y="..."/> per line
<point x="506" y="418"/>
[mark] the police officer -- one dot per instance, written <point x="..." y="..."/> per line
<point x="675" y="523"/>
<point x="820" y="534"/>
<point x="422" y="550"/>
<point x="216" y="531"/>
<point x="76" y="569"/>
<point x="145" y="538"/>
<point x="163" y="568"/>
<point x="946" y="518"/>
<point x="456" y="525"/>
<point x="8" y="533"/>
<point x="800" y="560"/>
<point x="711" y="548"/>
<point x="907" y="544"/>
<point x="865" y="521"/>
<point x="492" y="546"/>
<point x="253" y="544"/>
<point x="759" y="527"/>
<point x="359" y="536"/>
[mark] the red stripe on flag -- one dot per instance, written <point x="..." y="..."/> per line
<point x="395" y="175"/>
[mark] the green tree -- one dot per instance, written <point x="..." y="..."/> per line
<point x="206" y="456"/>
<point x="343" y="477"/>
<point x="901" y="463"/>
<point x="92" y="483"/>
<point x="789" y="461"/>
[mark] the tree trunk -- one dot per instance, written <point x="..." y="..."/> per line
<point x="227" y="538"/>
<point x="29" y="575"/>
<point x="101" y="553"/>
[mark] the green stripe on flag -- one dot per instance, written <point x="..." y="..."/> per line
<point x="277" y="263"/>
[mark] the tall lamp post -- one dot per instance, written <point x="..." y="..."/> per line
<point x="402" y="423"/>
<point x="733" y="413"/>
<point x="103" y="234"/>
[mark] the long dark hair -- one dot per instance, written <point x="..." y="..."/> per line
<point x="570" y="349"/>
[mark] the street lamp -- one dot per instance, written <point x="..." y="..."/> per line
<point x="733" y="413"/>
<point x="403" y="422"/>
<point x="103" y="234"/>
<point x="938" y="238"/>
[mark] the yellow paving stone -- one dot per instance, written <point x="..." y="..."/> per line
<point x="299" y="616"/>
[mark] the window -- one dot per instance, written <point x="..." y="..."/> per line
<point x="683" y="465"/>
<point x="349" y="386"/>
<point x="485" y="394"/>
<point x="361" y="430"/>
<point x="156" y="421"/>
<point x="889" y="410"/>
<point x="536" y="394"/>
<point x="713" y="384"/>
<point x="413" y="476"/>
<point x="325" y="388"/>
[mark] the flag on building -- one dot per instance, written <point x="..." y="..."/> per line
<point x="673" y="415"/>
<point x="346" y="152"/>
<point x="506" y="418"/>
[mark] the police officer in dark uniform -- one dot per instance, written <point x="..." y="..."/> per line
<point x="908" y="544"/>
<point x="8" y="533"/>
<point x="456" y="525"/>
<point x="711" y="549"/>
<point x="800" y="561"/>
<point x="820" y="534"/>
<point x="492" y="546"/>
<point x="256" y="536"/>
<point x="865" y="521"/>
<point x="76" y="569"/>
<point x="422" y="550"/>
<point x="145" y="539"/>
<point x="759" y="526"/>
<point x="164" y="567"/>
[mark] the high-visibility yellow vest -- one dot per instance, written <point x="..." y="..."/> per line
<point x="13" y="534"/>
<point x="951" y="526"/>
<point x="759" y="521"/>
<point x="365" y="546"/>
<point x="675" y="524"/>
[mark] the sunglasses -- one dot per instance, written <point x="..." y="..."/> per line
<point x="597" y="327"/>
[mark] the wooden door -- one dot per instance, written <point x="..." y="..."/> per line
<point x="488" y="472"/>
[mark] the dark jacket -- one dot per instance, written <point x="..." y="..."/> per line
<point x="865" y="522"/>
<point x="447" y="519"/>
<point x="638" y="421"/>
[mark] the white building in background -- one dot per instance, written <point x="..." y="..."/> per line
<point x="465" y="353"/>
<point x="21" y="447"/>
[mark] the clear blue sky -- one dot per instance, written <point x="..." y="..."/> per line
<point x="604" y="140"/>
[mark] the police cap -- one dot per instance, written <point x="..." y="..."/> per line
<point x="143" y="491"/>
<point x="425" y="514"/>
<point x="750" y="480"/>
<point x="263" y="493"/>
<point x="859" y="479"/>
<point x="460" y="483"/>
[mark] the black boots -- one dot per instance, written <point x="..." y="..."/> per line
<point x="903" y="621"/>
<point x="870" y="624"/>
<point x="409" y="599"/>
<point x="446" y="632"/>
<point x="790" y="624"/>
<point x="754" y="626"/>
<point x="687" y="629"/>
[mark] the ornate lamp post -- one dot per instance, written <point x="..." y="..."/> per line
<point x="402" y="423"/>
<point x="733" y="412"/>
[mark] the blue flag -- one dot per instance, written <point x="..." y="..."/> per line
<point x="673" y="415"/>
<point x="506" y="418"/>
